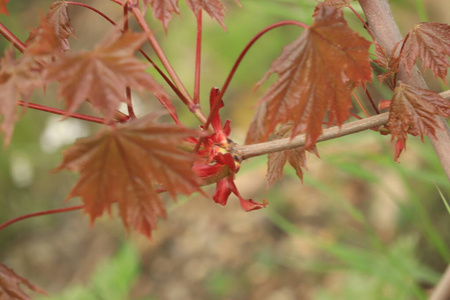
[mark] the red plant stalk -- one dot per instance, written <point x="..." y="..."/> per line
<point x="198" y="55"/>
<point x="41" y="213"/>
<point x="360" y="104"/>
<point x="195" y="109"/>
<point x="214" y="109"/>
<point x="63" y="112"/>
<point x="12" y="38"/>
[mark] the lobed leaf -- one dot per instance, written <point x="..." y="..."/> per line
<point x="18" y="78"/>
<point x="102" y="75"/>
<point x="316" y="75"/>
<point x="126" y="165"/>
<point x="163" y="9"/>
<point x="10" y="285"/>
<point x="431" y="43"/>
<point x="214" y="8"/>
<point x="414" y="110"/>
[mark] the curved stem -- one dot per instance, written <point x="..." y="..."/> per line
<point x="195" y="109"/>
<point x="214" y="109"/>
<point x="93" y="9"/>
<point x="250" y="44"/>
<point x="362" y="21"/>
<point x="41" y="213"/>
<point x="159" y="52"/>
<point x="12" y="38"/>
<point x="62" y="112"/>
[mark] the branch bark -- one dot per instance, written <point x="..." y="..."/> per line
<point x="247" y="151"/>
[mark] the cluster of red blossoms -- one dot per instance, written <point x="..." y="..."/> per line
<point x="216" y="163"/>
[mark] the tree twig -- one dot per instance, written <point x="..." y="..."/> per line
<point x="442" y="290"/>
<point x="387" y="34"/>
<point x="247" y="151"/>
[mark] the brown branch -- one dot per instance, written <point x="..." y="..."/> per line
<point x="383" y="25"/>
<point x="442" y="290"/>
<point x="247" y="151"/>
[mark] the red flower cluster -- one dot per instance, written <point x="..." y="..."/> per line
<point x="216" y="162"/>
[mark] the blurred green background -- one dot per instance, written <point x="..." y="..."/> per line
<point x="359" y="227"/>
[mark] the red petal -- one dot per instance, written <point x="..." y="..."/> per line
<point x="228" y="160"/>
<point x="216" y="122"/>
<point x="223" y="190"/>
<point x="246" y="204"/>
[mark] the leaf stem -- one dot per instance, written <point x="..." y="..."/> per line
<point x="94" y="10"/>
<point x="360" y="104"/>
<point x="195" y="109"/>
<point x="250" y="44"/>
<point x="371" y="100"/>
<point x="12" y="38"/>
<point x="241" y="56"/>
<point x="131" y="113"/>
<point x="198" y="55"/>
<point x="62" y="112"/>
<point x="41" y="213"/>
<point x="362" y="21"/>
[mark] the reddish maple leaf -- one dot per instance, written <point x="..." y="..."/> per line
<point x="3" y="9"/>
<point x="260" y="125"/>
<point x="315" y="75"/>
<point x="214" y="8"/>
<point x="42" y="42"/>
<point x="389" y="63"/>
<point x="58" y="17"/>
<point x="163" y="9"/>
<point x="18" y="79"/>
<point x="430" y="42"/>
<point x="126" y="164"/>
<point x="277" y="160"/>
<point x="10" y="285"/>
<point x="102" y="75"/>
<point x="414" y="110"/>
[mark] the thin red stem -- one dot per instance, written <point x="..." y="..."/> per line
<point x="198" y="54"/>
<point x="94" y="10"/>
<point x="12" y="38"/>
<point x="371" y="100"/>
<point x="250" y="44"/>
<point x="131" y="113"/>
<point x="362" y="21"/>
<point x="360" y="104"/>
<point x="62" y="112"/>
<point x="159" y="52"/>
<point x="214" y="109"/>
<point x="195" y="109"/>
<point x="355" y="116"/>
<point x="41" y="213"/>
